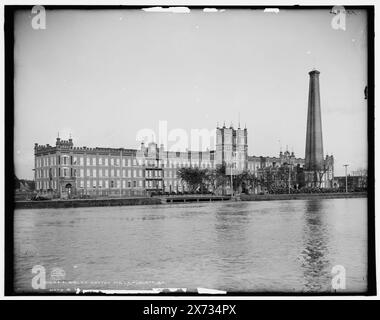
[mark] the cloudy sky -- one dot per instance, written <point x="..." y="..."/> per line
<point x="103" y="76"/>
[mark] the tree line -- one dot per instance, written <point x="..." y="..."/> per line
<point x="200" y="180"/>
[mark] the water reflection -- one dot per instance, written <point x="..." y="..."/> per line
<point x="314" y="256"/>
<point x="232" y="244"/>
<point x="244" y="246"/>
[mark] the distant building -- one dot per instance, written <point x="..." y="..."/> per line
<point x="354" y="182"/>
<point x="255" y="163"/>
<point x="282" y="171"/>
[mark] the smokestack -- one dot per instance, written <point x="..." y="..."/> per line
<point x="314" y="143"/>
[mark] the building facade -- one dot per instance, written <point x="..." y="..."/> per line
<point x="257" y="163"/>
<point x="273" y="172"/>
<point x="64" y="170"/>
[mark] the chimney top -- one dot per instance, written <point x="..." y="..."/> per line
<point x="314" y="71"/>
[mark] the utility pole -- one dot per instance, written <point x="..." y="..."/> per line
<point x="121" y="170"/>
<point x="289" y="180"/>
<point x="232" y="186"/>
<point x="232" y="182"/>
<point x="346" y="165"/>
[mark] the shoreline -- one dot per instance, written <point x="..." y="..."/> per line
<point x="83" y="203"/>
<point x="302" y="196"/>
<point x="111" y="202"/>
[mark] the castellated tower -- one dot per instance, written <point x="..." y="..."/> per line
<point x="232" y="148"/>
<point x="241" y="154"/>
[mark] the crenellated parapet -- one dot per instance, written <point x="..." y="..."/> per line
<point x="104" y="151"/>
<point x="64" y="144"/>
<point x="44" y="149"/>
<point x="67" y="146"/>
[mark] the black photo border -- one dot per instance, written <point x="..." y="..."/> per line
<point x="9" y="11"/>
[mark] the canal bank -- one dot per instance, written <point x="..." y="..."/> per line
<point x="302" y="196"/>
<point x="77" y="203"/>
<point x="109" y="202"/>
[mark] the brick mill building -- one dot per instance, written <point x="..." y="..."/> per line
<point x="64" y="169"/>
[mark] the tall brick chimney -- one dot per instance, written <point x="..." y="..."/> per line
<point x="314" y="145"/>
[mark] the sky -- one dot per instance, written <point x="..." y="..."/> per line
<point x="104" y="75"/>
